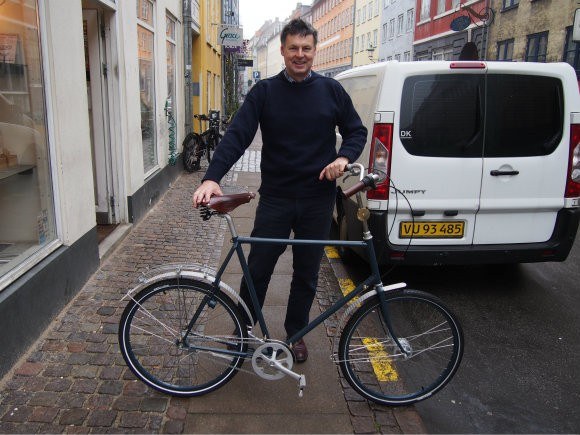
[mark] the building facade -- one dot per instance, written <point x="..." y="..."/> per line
<point x="91" y="120"/>
<point x="334" y="20"/>
<point x="367" y="25"/>
<point x="434" y="37"/>
<point x="539" y="31"/>
<point x="397" y="30"/>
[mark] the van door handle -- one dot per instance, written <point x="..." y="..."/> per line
<point x="497" y="173"/>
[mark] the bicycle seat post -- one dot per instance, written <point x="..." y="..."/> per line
<point x="230" y="221"/>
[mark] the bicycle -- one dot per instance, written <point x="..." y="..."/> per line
<point x="196" y="145"/>
<point x="182" y="331"/>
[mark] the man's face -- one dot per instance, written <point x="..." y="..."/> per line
<point x="298" y="52"/>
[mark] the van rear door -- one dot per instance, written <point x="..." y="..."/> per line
<point x="525" y="155"/>
<point x="437" y="158"/>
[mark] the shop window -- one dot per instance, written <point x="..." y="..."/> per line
<point x="170" y="30"/>
<point x="145" y="40"/>
<point x="26" y="196"/>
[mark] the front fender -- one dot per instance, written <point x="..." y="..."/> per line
<point x="354" y="305"/>
<point x="192" y="271"/>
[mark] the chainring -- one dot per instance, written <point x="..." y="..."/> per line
<point x="268" y="352"/>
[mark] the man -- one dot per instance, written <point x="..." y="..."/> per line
<point x="297" y="111"/>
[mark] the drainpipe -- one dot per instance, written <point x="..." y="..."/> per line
<point x="187" y="64"/>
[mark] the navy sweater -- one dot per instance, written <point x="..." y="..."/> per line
<point x="298" y="122"/>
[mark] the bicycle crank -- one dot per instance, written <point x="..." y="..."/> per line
<point x="273" y="360"/>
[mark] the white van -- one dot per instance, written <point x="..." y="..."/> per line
<point x="482" y="160"/>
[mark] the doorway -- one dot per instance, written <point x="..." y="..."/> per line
<point x="98" y="103"/>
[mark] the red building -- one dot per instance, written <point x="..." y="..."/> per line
<point x="444" y="27"/>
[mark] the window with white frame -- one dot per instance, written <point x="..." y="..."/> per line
<point x="410" y="19"/>
<point x="425" y="9"/>
<point x="27" y="209"/>
<point x="400" y="21"/>
<point x="146" y="55"/>
<point x="392" y="29"/>
<point x="170" y="33"/>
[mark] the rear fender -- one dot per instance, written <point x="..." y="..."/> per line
<point x="191" y="271"/>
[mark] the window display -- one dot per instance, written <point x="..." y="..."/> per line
<point x="26" y="201"/>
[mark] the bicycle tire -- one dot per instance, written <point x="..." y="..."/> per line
<point x="190" y="154"/>
<point x="212" y="146"/>
<point x="151" y="329"/>
<point x="377" y="369"/>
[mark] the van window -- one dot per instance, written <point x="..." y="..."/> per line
<point x="441" y="115"/>
<point x="363" y="91"/>
<point x="524" y="115"/>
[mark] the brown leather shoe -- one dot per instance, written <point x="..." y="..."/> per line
<point x="300" y="351"/>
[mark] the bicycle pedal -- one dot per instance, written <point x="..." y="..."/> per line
<point x="301" y="385"/>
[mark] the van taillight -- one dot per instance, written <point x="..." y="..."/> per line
<point x="380" y="158"/>
<point x="573" y="178"/>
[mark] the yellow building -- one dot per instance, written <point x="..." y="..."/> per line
<point x="206" y="67"/>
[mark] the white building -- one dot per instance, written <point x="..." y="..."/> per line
<point x="84" y="140"/>
<point x="397" y="27"/>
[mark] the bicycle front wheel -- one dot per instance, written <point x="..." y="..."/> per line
<point x="159" y="350"/>
<point x="377" y="368"/>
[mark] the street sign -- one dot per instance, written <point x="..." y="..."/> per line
<point x="460" y="23"/>
<point x="231" y="36"/>
<point x="245" y="62"/>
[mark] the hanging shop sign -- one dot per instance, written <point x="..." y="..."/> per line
<point x="230" y="36"/>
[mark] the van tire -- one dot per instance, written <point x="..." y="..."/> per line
<point x="346" y="254"/>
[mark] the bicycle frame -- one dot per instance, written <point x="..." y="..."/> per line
<point x="372" y="281"/>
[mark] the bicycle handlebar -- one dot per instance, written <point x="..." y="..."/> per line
<point x="367" y="181"/>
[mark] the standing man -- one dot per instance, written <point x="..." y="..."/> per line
<point x="298" y="111"/>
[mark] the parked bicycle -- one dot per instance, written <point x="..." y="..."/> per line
<point x="183" y="332"/>
<point x="198" y="145"/>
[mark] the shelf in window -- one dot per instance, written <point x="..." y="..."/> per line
<point x="13" y="170"/>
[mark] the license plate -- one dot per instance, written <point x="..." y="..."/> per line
<point x="431" y="229"/>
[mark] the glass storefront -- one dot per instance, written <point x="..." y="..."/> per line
<point x="27" y="221"/>
<point x="146" y="38"/>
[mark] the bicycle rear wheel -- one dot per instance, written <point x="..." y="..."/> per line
<point x="191" y="152"/>
<point x="151" y="337"/>
<point x="375" y="366"/>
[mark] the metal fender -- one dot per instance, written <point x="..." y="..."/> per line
<point x="186" y="271"/>
<point x="355" y="304"/>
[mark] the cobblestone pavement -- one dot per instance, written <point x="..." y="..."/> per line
<point x="74" y="380"/>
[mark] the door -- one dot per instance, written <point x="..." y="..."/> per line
<point x="437" y="159"/>
<point x="96" y="70"/>
<point x="525" y="159"/>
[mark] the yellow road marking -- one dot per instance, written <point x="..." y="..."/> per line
<point x="346" y="285"/>
<point x="380" y="360"/>
<point x="382" y="366"/>
<point x="331" y="252"/>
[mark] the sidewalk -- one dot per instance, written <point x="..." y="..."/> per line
<point x="74" y="379"/>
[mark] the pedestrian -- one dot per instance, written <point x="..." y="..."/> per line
<point x="297" y="111"/>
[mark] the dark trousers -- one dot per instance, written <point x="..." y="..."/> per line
<point x="309" y="218"/>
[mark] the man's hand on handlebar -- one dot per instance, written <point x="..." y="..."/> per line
<point x="205" y="191"/>
<point x="334" y="170"/>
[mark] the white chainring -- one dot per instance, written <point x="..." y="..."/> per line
<point x="265" y="354"/>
